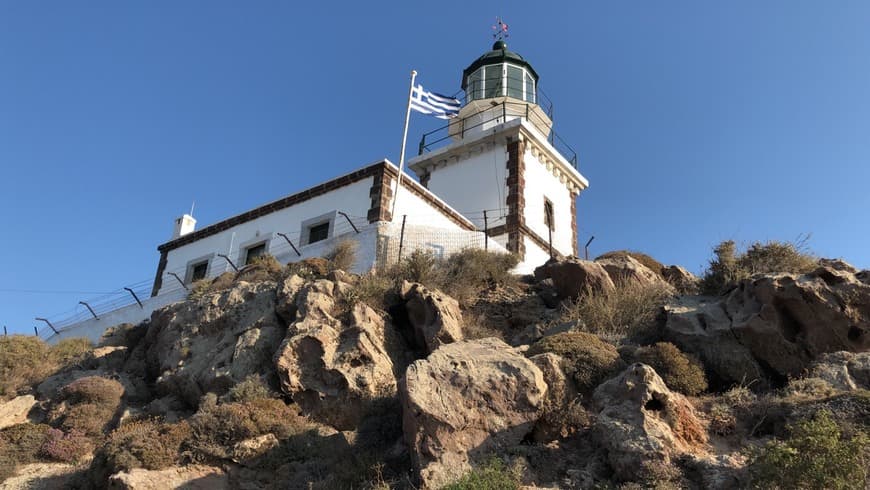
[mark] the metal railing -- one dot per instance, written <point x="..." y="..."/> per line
<point x="436" y="138"/>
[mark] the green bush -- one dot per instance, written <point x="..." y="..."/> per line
<point x="491" y="476"/>
<point x="90" y="405"/>
<point x="816" y="455"/>
<point x="679" y="371"/>
<point x="588" y="359"/>
<point x="628" y="310"/>
<point x="729" y="267"/>
<point x="653" y="264"/>
<point x="342" y="256"/>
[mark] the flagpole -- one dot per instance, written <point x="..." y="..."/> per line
<point x="404" y="140"/>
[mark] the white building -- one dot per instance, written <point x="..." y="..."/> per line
<point x="491" y="178"/>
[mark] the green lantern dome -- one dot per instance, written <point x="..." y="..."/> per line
<point x="500" y="73"/>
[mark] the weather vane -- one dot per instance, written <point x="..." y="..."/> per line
<point x="500" y="30"/>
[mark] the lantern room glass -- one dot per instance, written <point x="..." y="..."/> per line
<point x="500" y="80"/>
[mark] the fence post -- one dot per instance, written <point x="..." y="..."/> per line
<point x="35" y="331"/>
<point x="402" y="238"/>
<point x="349" y="221"/>
<point x="89" y="309"/>
<point x="5" y="334"/>
<point x="291" y="243"/>
<point x="135" y="297"/>
<point x="587" y="246"/>
<point x="178" y="279"/>
<point x="228" y="261"/>
<point x="485" y="232"/>
<point x="49" y="325"/>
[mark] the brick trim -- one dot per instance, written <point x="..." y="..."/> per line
<point x="515" y="200"/>
<point x="282" y="203"/>
<point x="158" y="279"/>
<point x="381" y="194"/>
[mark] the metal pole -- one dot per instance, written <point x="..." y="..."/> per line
<point x="550" y="239"/>
<point x="135" y="297"/>
<point x="349" y="221"/>
<point x="404" y="140"/>
<point x="485" y="232"/>
<point x="402" y="237"/>
<point x="36" y="331"/>
<point x="291" y="243"/>
<point x="4" y="331"/>
<point x="178" y="279"/>
<point x="90" y="309"/>
<point x="587" y="246"/>
<point x="49" y="325"/>
<point x="229" y="262"/>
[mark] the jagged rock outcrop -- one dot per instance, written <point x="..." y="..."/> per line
<point x="15" y="410"/>
<point x="434" y="316"/>
<point x="626" y="269"/>
<point x="561" y="406"/>
<point x="843" y="370"/>
<point x="214" y="342"/>
<point x="464" y="401"/>
<point x="572" y="277"/>
<point x="681" y="279"/>
<point x="773" y="326"/>
<point x="641" y="421"/>
<point x="333" y="367"/>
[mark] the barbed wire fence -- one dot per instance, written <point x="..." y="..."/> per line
<point x="391" y="242"/>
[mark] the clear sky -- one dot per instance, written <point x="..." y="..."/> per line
<point x="695" y="122"/>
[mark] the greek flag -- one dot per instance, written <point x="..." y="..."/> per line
<point x="440" y="106"/>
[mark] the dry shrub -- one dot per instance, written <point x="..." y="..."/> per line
<point x="679" y="371"/>
<point x="147" y="443"/>
<point x="26" y="361"/>
<point x="628" y="310"/>
<point x="653" y="264"/>
<point x="421" y="266"/>
<point x="20" y="444"/>
<point x="472" y="269"/>
<point x="252" y="388"/>
<point x="817" y="454"/>
<point x="261" y="268"/>
<point x="809" y="388"/>
<point x="372" y="289"/>
<point x="342" y="256"/>
<point x="217" y="428"/>
<point x="728" y="267"/>
<point x="588" y="359"/>
<point x="89" y="405"/>
<point x="309" y="269"/>
<point x="476" y="326"/>
<point x="66" y="447"/>
<point x="686" y="425"/>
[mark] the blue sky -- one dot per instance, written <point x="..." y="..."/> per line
<point x="695" y="122"/>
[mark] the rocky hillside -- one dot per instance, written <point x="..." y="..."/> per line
<point x="454" y="374"/>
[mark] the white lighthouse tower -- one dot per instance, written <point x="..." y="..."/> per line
<point x="501" y="157"/>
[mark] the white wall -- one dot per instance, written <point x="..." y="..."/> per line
<point x="535" y="257"/>
<point x="474" y="184"/>
<point x="419" y="211"/>
<point x="352" y="199"/>
<point x="541" y="183"/>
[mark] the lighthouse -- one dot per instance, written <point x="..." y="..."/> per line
<point x="501" y="164"/>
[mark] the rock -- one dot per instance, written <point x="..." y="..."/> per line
<point x="843" y="370"/>
<point x="40" y="476"/>
<point x="572" y="277"/>
<point x="256" y="446"/>
<point x="625" y="269"/>
<point x="559" y="405"/>
<point x="681" y="279"/>
<point x="838" y="265"/>
<point x="640" y="421"/>
<point x="192" y="477"/>
<point x="15" y="410"/>
<point x="434" y="316"/>
<point x="773" y="325"/>
<point x="464" y="401"/>
<point x="536" y="332"/>
<point x="331" y="369"/>
<point x="210" y="344"/>
<point x="285" y="302"/>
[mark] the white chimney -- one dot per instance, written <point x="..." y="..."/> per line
<point x="183" y="225"/>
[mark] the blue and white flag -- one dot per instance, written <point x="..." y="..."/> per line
<point x="440" y="106"/>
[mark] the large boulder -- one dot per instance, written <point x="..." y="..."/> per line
<point x="681" y="279"/>
<point x="572" y="277"/>
<point x="626" y="269"/>
<point x="434" y="316"/>
<point x="214" y="342"/>
<point x="641" y="422"/>
<point x="563" y="414"/>
<point x="192" y="477"/>
<point x="15" y="411"/>
<point x="464" y="401"/>
<point x="773" y="326"/>
<point x="333" y="368"/>
<point x="843" y="370"/>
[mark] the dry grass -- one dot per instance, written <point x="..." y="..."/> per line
<point x="252" y="388"/>
<point x="630" y="309"/>
<point x="587" y="359"/>
<point x="342" y="256"/>
<point x="679" y="371"/>
<point x="20" y="444"/>
<point x="67" y="447"/>
<point x="89" y="405"/>
<point x="729" y="267"/>
<point x="148" y="444"/>
<point x="26" y="361"/>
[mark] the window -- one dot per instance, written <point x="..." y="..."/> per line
<point x="474" y="88"/>
<point x="492" y="84"/>
<point x="197" y="271"/>
<point x="530" y="88"/>
<point x="548" y="214"/>
<point x="254" y="252"/>
<point x="319" y="232"/>
<point x="515" y="82"/>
